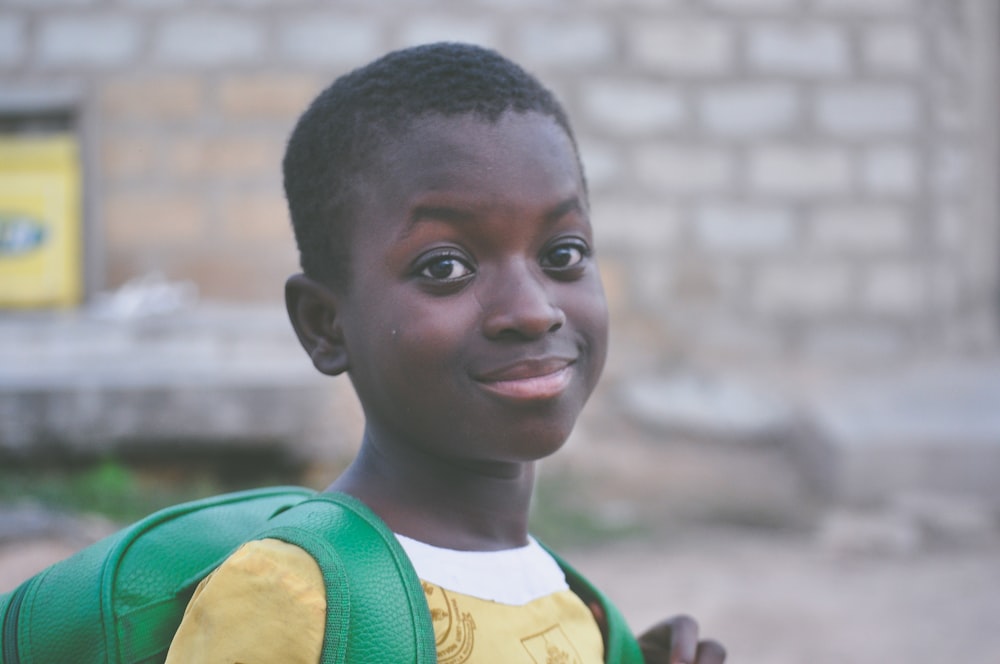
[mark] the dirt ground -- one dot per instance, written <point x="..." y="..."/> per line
<point x="773" y="600"/>
<point x="775" y="582"/>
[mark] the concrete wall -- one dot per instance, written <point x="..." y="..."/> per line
<point x="806" y="179"/>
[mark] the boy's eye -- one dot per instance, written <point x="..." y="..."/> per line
<point x="445" y="268"/>
<point x="564" y="256"/>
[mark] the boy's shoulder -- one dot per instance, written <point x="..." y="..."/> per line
<point x="251" y="598"/>
<point x="327" y="565"/>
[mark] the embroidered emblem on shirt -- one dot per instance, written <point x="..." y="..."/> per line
<point x="454" y="630"/>
<point x="551" y="647"/>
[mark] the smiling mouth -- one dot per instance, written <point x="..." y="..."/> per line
<point x="531" y="381"/>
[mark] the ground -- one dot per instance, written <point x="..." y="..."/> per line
<point x="726" y="535"/>
<point x="773" y="600"/>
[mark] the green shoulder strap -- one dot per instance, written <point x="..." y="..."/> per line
<point x="376" y="609"/>
<point x="620" y="646"/>
<point x="120" y="599"/>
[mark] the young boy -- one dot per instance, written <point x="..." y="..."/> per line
<point x="441" y="215"/>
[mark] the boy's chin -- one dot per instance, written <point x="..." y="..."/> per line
<point x="543" y="447"/>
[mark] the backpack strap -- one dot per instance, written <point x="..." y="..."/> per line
<point x="376" y="609"/>
<point x="620" y="646"/>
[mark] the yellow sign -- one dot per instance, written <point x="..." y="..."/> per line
<point x="40" y="241"/>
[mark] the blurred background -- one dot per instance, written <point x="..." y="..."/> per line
<point x="798" y="434"/>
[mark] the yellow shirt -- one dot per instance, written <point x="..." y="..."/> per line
<point x="267" y="603"/>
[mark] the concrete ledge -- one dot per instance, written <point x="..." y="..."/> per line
<point x="207" y="376"/>
<point x="855" y="440"/>
<point x="933" y="428"/>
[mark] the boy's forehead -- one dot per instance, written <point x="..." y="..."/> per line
<point x="432" y="148"/>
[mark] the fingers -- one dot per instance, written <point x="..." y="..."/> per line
<point x="675" y="641"/>
<point x="710" y="652"/>
<point x="684" y="639"/>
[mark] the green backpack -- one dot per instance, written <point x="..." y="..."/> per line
<point x="121" y="599"/>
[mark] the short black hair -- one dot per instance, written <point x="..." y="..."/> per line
<point x="335" y="139"/>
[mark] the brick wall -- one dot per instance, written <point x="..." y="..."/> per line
<point x="771" y="178"/>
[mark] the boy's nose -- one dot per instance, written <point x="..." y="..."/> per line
<point x="520" y="306"/>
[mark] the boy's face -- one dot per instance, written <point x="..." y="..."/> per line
<point x="474" y="321"/>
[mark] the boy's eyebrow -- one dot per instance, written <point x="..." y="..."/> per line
<point x="440" y="213"/>
<point x="571" y="204"/>
<point x="456" y="215"/>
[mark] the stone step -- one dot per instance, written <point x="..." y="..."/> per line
<point x="932" y="428"/>
<point x="208" y="375"/>
<point x="856" y="438"/>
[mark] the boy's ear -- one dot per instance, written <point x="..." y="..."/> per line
<point x="312" y="308"/>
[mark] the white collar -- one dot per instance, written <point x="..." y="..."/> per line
<point x="512" y="576"/>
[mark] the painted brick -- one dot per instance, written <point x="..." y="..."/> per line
<point x="247" y="4"/>
<point x="682" y="46"/>
<point x="797" y="170"/>
<point x="323" y="39"/>
<point x="88" y="40"/>
<point x="129" y="156"/>
<point x="153" y="98"/>
<point x="857" y="341"/>
<point x="152" y="218"/>
<point x="950" y="227"/>
<point x="250" y="273"/>
<point x="430" y="29"/>
<point x="639" y="4"/>
<point x="602" y="163"/>
<point x="627" y="223"/>
<point x="744" y="228"/>
<point x="892" y="49"/>
<point x="49" y="4"/>
<point x="894" y="289"/>
<point x="225" y="157"/>
<point x="749" y="109"/>
<point x="267" y="96"/>
<point x="650" y="285"/>
<point x="630" y="4"/>
<point x="12" y="40"/>
<point x="255" y="216"/>
<point x="890" y="170"/>
<point x="755" y="6"/>
<point x="867" y="109"/>
<point x="153" y="4"/>
<point x="944" y="287"/>
<point x="632" y="109"/>
<point x="521" y="4"/>
<point x="671" y="169"/>
<point x="950" y="117"/>
<point x="866" y="7"/>
<point x="562" y="43"/>
<point x="807" y="289"/>
<point x="696" y="282"/>
<point x="732" y="335"/>
<point x="797" y="49"/>
<point x="949" y="169"/>
<point x="208" y="39"/>
<point x="861" y="228"/>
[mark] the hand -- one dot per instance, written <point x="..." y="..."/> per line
<point x="675" y="641"/>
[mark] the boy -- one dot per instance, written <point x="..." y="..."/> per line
<point x="441" y="216"/>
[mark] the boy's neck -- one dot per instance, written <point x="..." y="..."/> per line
<point x="446" y="503"/>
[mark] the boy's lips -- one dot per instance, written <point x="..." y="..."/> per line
<point x="530" y="380"/>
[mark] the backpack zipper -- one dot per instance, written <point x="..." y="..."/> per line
<point x="10" y="624"/>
